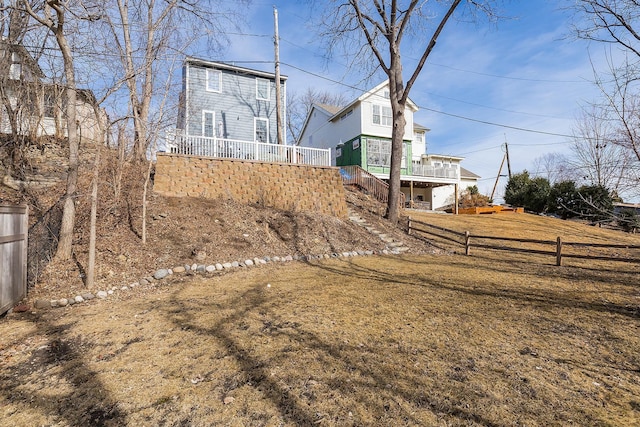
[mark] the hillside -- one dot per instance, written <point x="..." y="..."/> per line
<point x="179" y="231"/>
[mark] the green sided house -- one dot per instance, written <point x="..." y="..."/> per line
<point x="359" y="134"/>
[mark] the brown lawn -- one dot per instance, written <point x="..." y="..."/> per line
<point x="496" y="339"/>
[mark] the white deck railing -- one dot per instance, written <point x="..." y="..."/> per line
<point x="178" y="143"/>
<point x="435" y="171"/>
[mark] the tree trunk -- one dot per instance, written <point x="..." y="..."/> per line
<point x="65" y="243"/>
<point x="397" y="135"/>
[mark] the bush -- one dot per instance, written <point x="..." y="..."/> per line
<point x="562" y="199"/>
<point x="471" y="198"/>
<point x="532" y="194"/>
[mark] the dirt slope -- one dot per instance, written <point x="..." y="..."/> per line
<point x="188" y="230"/>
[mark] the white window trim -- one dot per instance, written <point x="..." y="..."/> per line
<point x="213" y="122"/>
<point x="381" y="115"/>
<point x="258" y="80"/>
<point x="255" y="128"/>
<point x="209" y="73"/>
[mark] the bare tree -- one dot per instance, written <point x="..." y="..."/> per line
<point x="609" y="21"/>
<point x="52" y="14"/>
<point x="555" y="167"/>
<point x="597" y="160"/>
<point x="299" y="105"/>
<point x="144" y="35"/>
<point x="374" y="33"/>
<point x="616" y="22"/>
<point x="20" y="88"/>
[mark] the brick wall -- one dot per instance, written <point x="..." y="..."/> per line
<point x="282" y="186"/>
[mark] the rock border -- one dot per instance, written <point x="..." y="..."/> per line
<point x="163" y="273"/>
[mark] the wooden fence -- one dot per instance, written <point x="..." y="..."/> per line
<point x="467" y="240"/>
<point x="14" y="225"/>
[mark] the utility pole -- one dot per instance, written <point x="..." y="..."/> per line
<point x="498" y="177"/>
<point x="506" y="151"/>
<point x="276" y="43"/>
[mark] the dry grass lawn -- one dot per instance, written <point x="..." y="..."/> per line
<point x="430" y="340"/>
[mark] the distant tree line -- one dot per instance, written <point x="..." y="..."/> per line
<point x="568" y="200"/>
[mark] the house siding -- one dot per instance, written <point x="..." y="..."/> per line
<point x="235" y="106"/>
<point x="370" y="128"/>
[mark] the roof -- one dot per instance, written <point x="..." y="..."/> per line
<point x="417" y="126"/>
<point x="330" y="109"/>
<point x="29" y="61"/>
<point x="466" y="173"/>
<point x="231" y="67"/>
<point x="443" y="156"/>
<point x="366" y="95"/>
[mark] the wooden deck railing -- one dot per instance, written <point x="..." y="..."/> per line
<point x="377" y="188"/>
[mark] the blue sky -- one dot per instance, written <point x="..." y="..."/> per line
<point x="523" y="72"/>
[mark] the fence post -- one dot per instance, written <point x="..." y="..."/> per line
<point x="25" y="249"/>
<point x="409" y="226"/>
<point x="467" y="243"/>
<point x="559" y="251"/>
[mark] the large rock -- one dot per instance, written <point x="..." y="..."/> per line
<point x="42" y="303"/>
<point x="161" y="274"/>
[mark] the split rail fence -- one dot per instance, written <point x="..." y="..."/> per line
<point x="556" y="247"/>
<point x="14" y="226"/>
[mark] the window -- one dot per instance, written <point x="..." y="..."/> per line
<point x="208" y="123"/>
<point x="347" y="114"/>
<point x="418" y="137"/>
<point x="381" y="115"/>
<point x="261" y="129"/>
<point x="15" y="69"/>
<point x="49" y="105"/>
<point x="379" y="153"/>
<point x="262" y="89"/>
<point x="214" y="80"/>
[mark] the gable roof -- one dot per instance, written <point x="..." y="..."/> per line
<point x="418" y="127"/>
<point x="27" y="59"/>
<point x="466" y="173"/>
<point x="329" y="109"/>
<point x="369" y="94"/>
<point x="231" y="67"/>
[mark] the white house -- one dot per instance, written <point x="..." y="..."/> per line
<point x="31" y="106"/>
<point x="360" y="134"/>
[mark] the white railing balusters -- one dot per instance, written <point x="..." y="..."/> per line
<point x="177" y="143"/>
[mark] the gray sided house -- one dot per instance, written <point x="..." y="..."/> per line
<point x="225" y="101"/>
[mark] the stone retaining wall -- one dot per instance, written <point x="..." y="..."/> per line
<point x="282" y="186"/>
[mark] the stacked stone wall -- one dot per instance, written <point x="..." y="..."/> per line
<point x="282" y="186"/>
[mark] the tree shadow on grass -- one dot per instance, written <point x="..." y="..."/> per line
<point x="368" y="378"/>
<point x="88" y="403"/>
<point x="516" y="292"/>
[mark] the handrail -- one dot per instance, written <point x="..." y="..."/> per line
<point x="355" y="175"/>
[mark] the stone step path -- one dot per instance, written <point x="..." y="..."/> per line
<point x="393" y="246"/>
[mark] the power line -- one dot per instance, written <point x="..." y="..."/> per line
<point x="458" y="116"/>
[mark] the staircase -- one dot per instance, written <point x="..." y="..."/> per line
<point x="374" y="186"/>
<point x="393" y="246"/>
